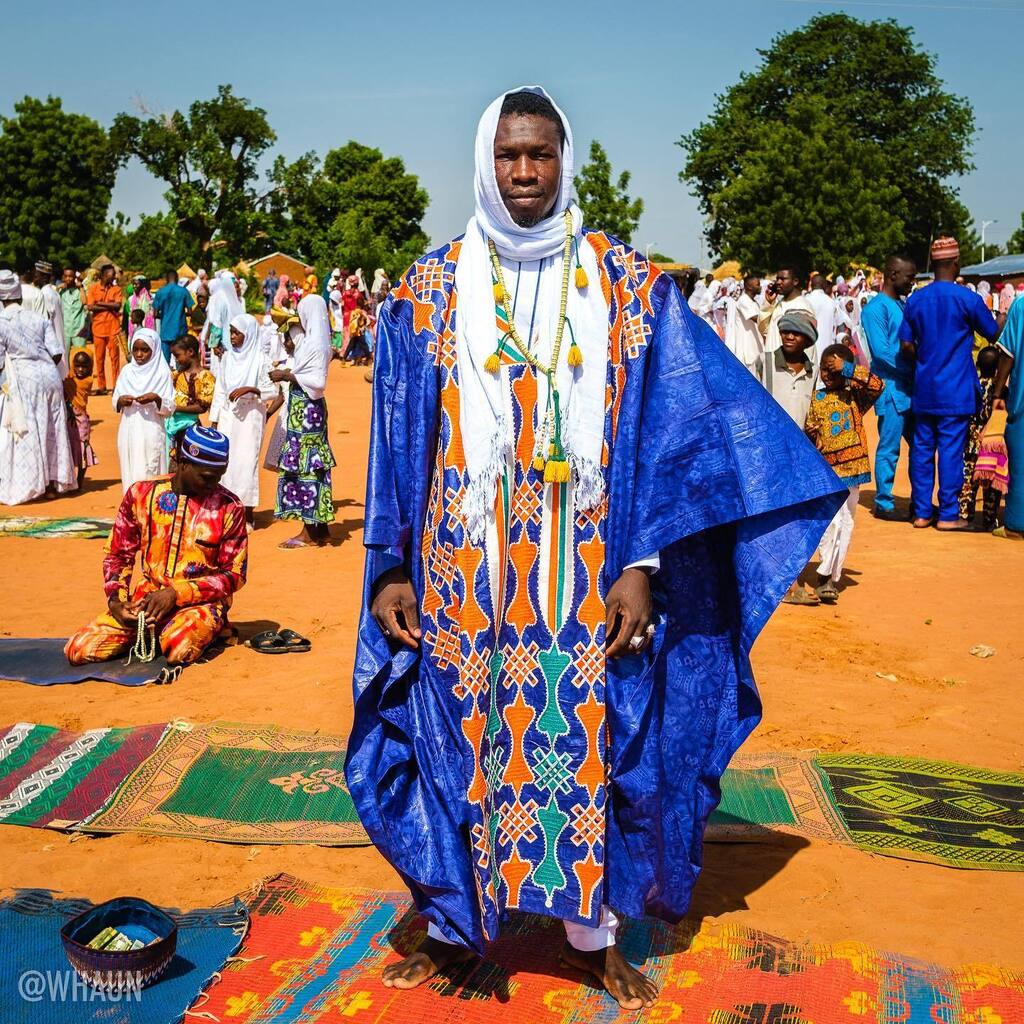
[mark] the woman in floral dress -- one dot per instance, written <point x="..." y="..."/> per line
<point x="305" y="460"/>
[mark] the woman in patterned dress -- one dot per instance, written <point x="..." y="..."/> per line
<point x="305" y="460"/>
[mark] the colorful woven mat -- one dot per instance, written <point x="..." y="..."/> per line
<point x="315" y="954"/>
<point x="37" y="526"/>
<point x="51" y="778"/>
<point x="238" y="784"/>
<point x="934" y="811"/>
<point x="38" y="985"/>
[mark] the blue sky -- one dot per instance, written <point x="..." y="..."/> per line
<point x="413" y="81"/>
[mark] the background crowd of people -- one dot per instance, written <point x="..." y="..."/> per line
<point x="182" y="354"/>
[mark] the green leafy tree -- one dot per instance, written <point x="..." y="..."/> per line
<point x="606" y="204"/>
<point x="1015" y="243"/>
<point x="57" y="171"/>
<point x="152" y="247"/>
<point x="659" y="257"/>
<point x="846" y="218"/>
<point x="358" y="209"/>
<point x="888" y="110"/>
<point x="208" y="158"/>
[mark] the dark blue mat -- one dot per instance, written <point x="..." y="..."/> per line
<point x="39" y="986"/>
<point x="41" y="662"/>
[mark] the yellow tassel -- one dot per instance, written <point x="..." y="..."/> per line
<point x="575" y="355"/>
<point x="551" y="449"/>
<point x="556" y="472"/>
<point x="539" y="463"/>
<point x="581" y="277"/>
<point x="500" y="295"/>
<point x="492" y="363"/>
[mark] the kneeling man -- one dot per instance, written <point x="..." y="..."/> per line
<point x="191" y="535"/>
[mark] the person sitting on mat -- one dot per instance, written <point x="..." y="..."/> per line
<point x="190" y="532"/>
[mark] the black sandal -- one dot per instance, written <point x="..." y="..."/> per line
<point x="295" y="641"/>
<point x="269" y="642"/>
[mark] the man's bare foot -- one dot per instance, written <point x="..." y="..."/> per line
<point x="922" y="524"/>
<point x="624" y="983"/>
<point x="431" y="958"/>
<point x="955" y="526"/>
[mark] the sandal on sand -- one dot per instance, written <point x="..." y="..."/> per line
<point x="922" y="524"/>
<point x="828" y="592"/>
<point x="955" y="526"/>
<point x="295" y="642"/>
<point x="801" y="597"/>
<point x="296" y="543"/>
<point x="285" y="642"/>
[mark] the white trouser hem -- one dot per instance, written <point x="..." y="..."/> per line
<point x="580" y="936"/>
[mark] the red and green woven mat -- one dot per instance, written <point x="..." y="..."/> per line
<point x="315" y="954"/>
<point x="54" y="778"/>
<point x="239" y="783"/>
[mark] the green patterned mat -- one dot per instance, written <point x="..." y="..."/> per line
<point x="933" y="811"/>
<point x="40" y="527"/>
<point x="238" y="784"/>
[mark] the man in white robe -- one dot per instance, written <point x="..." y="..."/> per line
<point x="35" y="451"/>
<point x="824" y="306"/>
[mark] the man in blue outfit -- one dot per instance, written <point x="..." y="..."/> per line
<point x="893" y="361"/>
<point x="170" y="304"/>
<point x="581" y="510"/>
<point x="940" y="320"/>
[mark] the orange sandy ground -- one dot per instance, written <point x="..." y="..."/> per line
<point x="914" y="605"/>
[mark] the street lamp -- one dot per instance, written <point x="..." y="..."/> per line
<point x="647" y="250"/>
<point x="984" y="225"/>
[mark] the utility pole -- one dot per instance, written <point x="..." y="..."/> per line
<point x="984" y="225"/>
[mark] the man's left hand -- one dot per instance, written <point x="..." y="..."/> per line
<point x="159" y="605"/>
<point x="628" y="614"/>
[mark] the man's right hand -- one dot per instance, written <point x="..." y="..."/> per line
<point x="124" y="612"/>
<point x="396" y="609"/>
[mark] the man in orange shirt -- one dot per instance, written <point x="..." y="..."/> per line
<point x="105" y="300"/>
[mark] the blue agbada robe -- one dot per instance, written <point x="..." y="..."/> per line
<point x="706" y="469"/>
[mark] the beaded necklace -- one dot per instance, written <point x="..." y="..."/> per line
<point x="554" y="465"/>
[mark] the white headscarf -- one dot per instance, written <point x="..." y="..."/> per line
<point x="240" y="367"/>
<point x="152" y="376"/>
<point x="313" y="348"/>
<point x="379" y="278"/>
<point x="224" y="304"/>
<point x="493" y="218"/>
<point x="485" y="398"/>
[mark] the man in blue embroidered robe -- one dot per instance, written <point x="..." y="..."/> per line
<point x="581" y="510"/>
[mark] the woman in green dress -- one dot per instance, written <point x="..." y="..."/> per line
<point x="305" y="460"/>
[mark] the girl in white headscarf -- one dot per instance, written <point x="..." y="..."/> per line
<point x="305" y="459"/>
<point x="224" y="305"/>
<point x="239" y="408"/>
<point x="144" y="396"/>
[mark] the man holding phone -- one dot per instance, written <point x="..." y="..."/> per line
<point x="783" y="295"/>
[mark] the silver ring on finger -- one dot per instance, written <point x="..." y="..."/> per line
<point x="636" y="643"/>
<point x="387" y="632"/>
<point x="649" y="631"/>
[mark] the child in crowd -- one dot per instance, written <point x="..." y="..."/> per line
<point x="144" y="396"/>
<point x="358" y="350"/>
<point x="239" y="411"/>
<point x="81" y="381"/>
<point x="193" y="389"/>
<point x="835" y="423"/>
<point x="278" y="434"/>
<point x="988" y="363"/>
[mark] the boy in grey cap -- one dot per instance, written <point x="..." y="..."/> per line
<point x="789" y="371"/>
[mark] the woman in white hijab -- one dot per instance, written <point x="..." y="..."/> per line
<point x="225" y="304"/>
<point x="305" y="459"/>
<point x="239" y="408"/>
<point x="144" y="396"/>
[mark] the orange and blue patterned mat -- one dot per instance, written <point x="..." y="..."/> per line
<point x="315" y="955"/>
